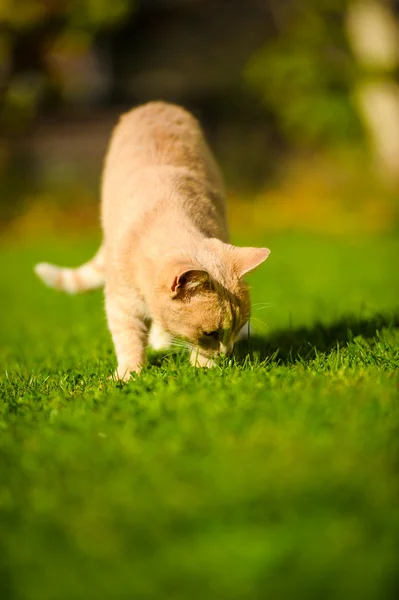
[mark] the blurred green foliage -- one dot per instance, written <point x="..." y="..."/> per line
<point x="44" y="28"/>
<point x="91" y="14"/>
<point x="304" y="75"/>
<point x="291" y="84"/>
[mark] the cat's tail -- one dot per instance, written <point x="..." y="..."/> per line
<point x="73" y="281"/>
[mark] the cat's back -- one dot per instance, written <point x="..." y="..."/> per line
<point x="156" y="149"/>
<point x="157" y="134"/>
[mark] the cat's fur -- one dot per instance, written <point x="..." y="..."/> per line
<point x="165" y="261"/>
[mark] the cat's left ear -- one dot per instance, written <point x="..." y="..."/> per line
<point x="243" y="259"/>
<point x="247" y="259"/>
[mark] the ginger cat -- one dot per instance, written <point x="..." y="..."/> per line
<point x="165" y="261"/>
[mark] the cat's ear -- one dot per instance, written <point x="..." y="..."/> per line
<point x="187" y="279"/>
<point x="242" y="259"/>
<point x="247" y="259"/>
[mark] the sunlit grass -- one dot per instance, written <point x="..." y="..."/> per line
<point x="274" y="475"/>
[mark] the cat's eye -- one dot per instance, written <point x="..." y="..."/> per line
<point x="212" y="334"/>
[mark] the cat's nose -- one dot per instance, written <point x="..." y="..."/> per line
<point x="226" y="348"/>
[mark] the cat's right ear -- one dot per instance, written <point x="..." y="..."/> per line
<point x="187" y="279"/>
<point x="248" y="259"/>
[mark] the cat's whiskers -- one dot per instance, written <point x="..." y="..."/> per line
<point x="179" y="343"/>
<point x="170" y="352"/>
<point x="258" y="321"/>
<point x="261" y="305"/>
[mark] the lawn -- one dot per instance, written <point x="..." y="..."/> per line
<point x="273" y="476"/>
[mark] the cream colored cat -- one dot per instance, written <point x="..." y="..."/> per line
<point x="165" y="261"/>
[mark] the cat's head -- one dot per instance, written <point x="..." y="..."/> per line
<point x="204" y="300"/>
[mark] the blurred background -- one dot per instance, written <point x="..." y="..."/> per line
<point x="299" y="100"/>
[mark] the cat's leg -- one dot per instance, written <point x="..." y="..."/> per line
<point x="200" y="360"/>
<point x="129" y="331"/>
<point x="159" y="339"/>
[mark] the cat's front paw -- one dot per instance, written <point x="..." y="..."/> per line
<point x="124" y="373"/>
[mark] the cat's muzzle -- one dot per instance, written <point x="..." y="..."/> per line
<point x="226" y="349"/>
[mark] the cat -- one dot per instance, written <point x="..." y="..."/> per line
<point x="166" y="264"/>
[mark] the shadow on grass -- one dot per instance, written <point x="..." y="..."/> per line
<point x="304" y="343"/>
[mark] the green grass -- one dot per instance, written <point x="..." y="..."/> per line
<point x="275" y="476"/>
